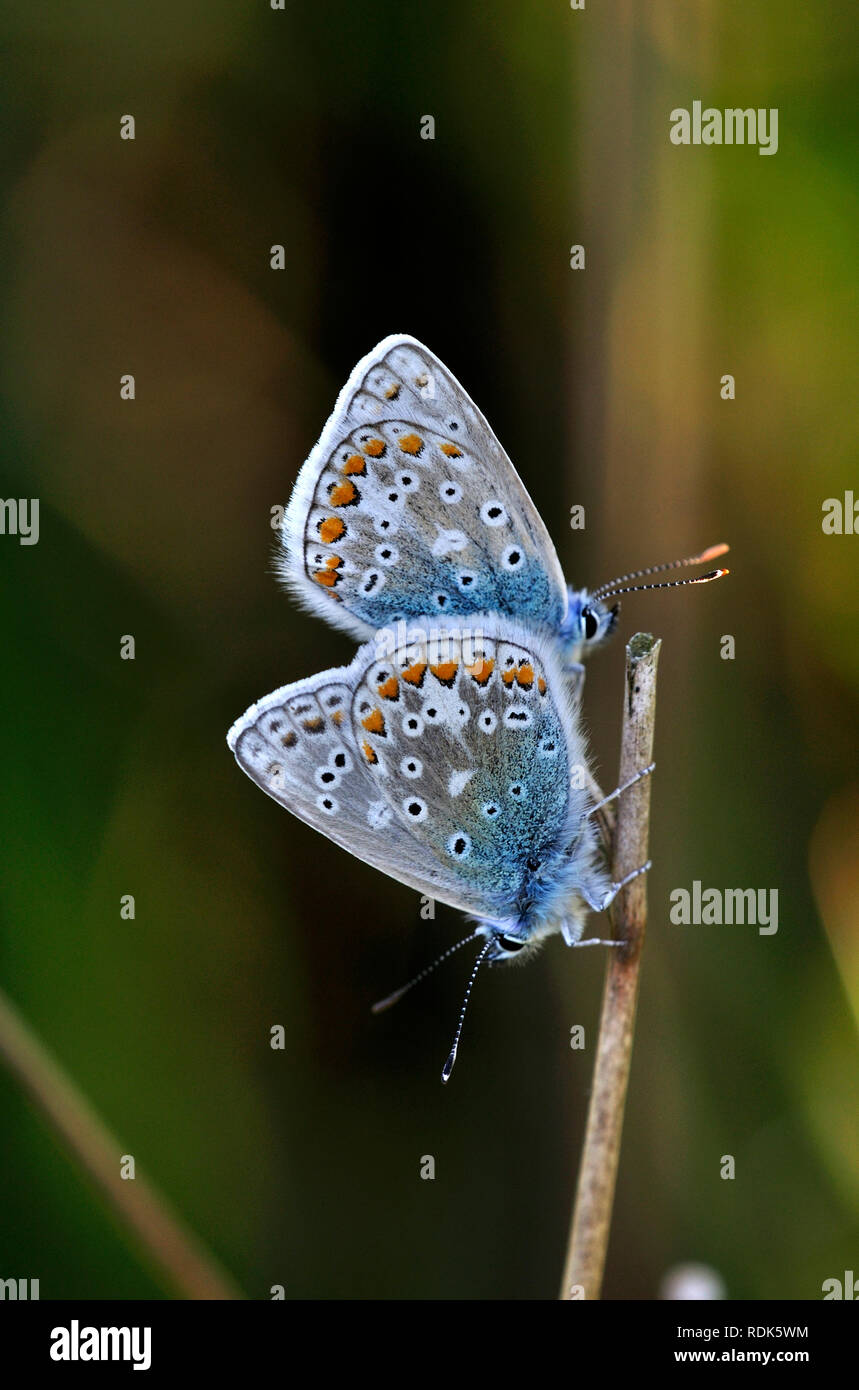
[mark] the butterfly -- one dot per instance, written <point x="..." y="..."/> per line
<point x="454" y="763"/>
<point x="409" y="507"/>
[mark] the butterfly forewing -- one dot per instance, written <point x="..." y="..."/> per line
<point x="408" y="506"/>
<point x="298" y="746"/>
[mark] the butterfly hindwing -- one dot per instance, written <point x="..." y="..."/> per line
<point x="470" y="743"/>
<point x="408" y="506"/>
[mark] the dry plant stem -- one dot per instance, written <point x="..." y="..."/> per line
<point x="190" y="1269"/>
<point x="591" y="1224"/>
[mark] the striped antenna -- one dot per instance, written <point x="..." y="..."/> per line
<point x="711" y="553"/>
<point x="404" y="989"/>
<point x="666" y="584"/>
<point x="451" y="1056"/>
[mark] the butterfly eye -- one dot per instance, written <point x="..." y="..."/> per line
<point x="591" y="624"/>
<point x="510" y="943"/>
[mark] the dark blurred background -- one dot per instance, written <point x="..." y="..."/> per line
<point x="302" y="127"/>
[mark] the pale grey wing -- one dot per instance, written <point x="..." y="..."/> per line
<point x="472" y="749"/>
<point x="297" y="744"/>
<point x="408" y="506"/>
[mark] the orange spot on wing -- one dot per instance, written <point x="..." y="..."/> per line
<point x="375" y="448"/>
<point x="290" y="740"/>
<point x="356" y="464"/>
<point x="369" y="754"/>
<point x="374" y="722"/>
<point x="411" y="444"/>
<point x="315" y="725"/>
<point x="337" y="717"/>
<point x="509" y="677"/>
<point x="525" y="675"/>
<point x="389" y="689"/>
<point x="445" y="671"/>
<point x="331" y="529"/>
<point x="342" y="494"/>
<point x="481" y="670"/>
<point x="333" y="562"/>
<point x="541" y="686"/>
<point x="451" y="451"/>
<point x="392" y="392"/>
<point x="327" y="578"/>
<point x="413" y="675"/>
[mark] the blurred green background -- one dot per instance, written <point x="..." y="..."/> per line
<point x="302" y="127"/>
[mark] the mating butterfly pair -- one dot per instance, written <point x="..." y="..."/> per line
<point x="449" y="753"/>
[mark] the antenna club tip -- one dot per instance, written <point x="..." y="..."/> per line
<point x="713" y="552"/>
<point x="448" y="1067"/>
<point x="708" y="577"/>
<point x="382" y="1004"/>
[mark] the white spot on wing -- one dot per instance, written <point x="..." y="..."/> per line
<point x="378" y="814"/>
<point x="459" y="781"/>
<point x="448" y="542"/>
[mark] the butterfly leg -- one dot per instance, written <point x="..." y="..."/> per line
<point x="645" y="772"/>
<point x="568" y="933"/>
<point x="598" y="902"/>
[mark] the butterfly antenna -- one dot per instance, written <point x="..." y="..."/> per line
<point x="711" y="553"/>
<point x="451" y="1058"/>
<point x="404" y="989"/>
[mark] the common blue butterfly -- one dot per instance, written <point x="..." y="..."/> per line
<point x="409" y="507"/>
<point x="455" y="763"/>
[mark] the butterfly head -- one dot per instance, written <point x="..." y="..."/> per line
<point x="589" y="621"/>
